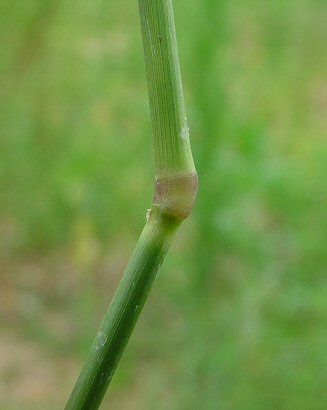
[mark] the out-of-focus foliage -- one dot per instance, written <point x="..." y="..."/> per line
<point x="238" y="317"/>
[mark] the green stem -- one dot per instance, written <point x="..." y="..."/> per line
<point x="123" y="313"/>
<point x="174" y="196"/>
<point x="172" y="151"/>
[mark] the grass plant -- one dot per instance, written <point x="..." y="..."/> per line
<point x="175" y="189"/>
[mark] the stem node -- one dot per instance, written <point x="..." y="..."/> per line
<point x="175" y="194"/>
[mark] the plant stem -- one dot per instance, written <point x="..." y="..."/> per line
<point x="174" y="196"/>
<point x="123" y="313"/>
<point x="172" y="151"/>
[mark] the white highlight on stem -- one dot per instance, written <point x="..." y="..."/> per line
<point x="101" y="340"/>
<point x="185" y="132"/>
<point x="150" y="36"/>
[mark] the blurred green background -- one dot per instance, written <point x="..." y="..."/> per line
<point x="237" y="319"/>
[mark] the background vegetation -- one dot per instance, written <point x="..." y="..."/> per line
<point x="238" y="316"/>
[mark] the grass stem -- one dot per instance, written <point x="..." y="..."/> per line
<point x="174" y="195"/>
